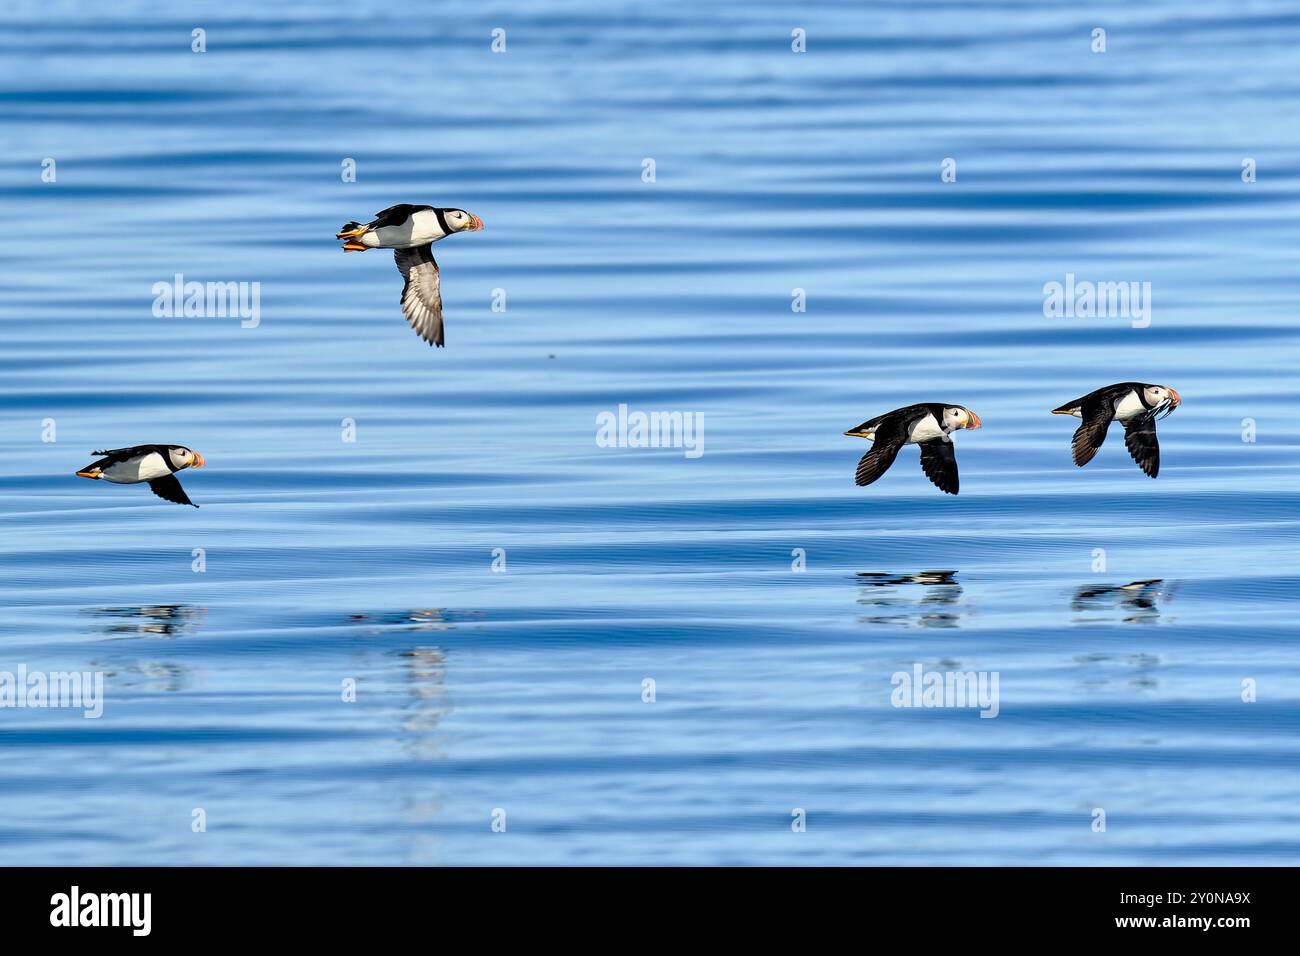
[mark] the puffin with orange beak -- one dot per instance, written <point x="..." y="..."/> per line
<point x="928" y="425"/>
<point x="1133" y="404"/>
<point x="411" y="231"/>
<point x="155" y="465"/>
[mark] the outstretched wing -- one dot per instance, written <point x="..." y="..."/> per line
<point x="124" y="454"/>
<point x="395" y="215"/>
<point x="1096" y="414"/>
<point x="1140" y="440"/>
<point x="891" y="433"/>
<point x="939" y="462"/>
<point x="169" y="489"/>
<point x="422" y="293"/>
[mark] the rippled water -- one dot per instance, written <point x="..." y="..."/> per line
<point x="522" y="689"/>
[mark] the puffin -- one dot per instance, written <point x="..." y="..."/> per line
<point x="410" y="232"/>
<point x="1133" y="404"/>
<point x="155" y="464"/>
<point x="928" y="425"/>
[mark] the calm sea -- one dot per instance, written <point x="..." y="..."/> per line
<point x="637" y="655"/>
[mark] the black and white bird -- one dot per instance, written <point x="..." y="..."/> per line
<point x="928" y="425"/>
<point x="411" y="231"/>
<point x="1134" y="405"/>
<point x="153" y="464"/>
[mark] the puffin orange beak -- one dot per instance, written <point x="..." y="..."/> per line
<point x="198" y="461"/>
<point x="475" y="223"/>
<point x="1178" y="399"/>
<point x="974" y="420"/>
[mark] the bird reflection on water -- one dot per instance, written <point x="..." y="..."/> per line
<point x="148" y="620"/>
<point x="1136" y="602"/>
<point x="425" y="674"/>
<point x="924" y="599"/>
<point x="420" y="619"/>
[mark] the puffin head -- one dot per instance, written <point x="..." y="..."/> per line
<point x="1161" y="395"/>
<point x="955" y="416"/>
<point x="183" y="457"/>
<point x="462" y="221"/>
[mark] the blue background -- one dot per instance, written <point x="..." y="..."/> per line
<point x="522" y="690"/>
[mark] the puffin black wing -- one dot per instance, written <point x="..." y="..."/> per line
<point x="1097" y="414"/>
<point x="891" y="433"/>
<point x="1140" y="440"/>
<point x="169" y="489"/>
<point x="112" y="455"/>
<point x="395" y="215"/>
<point x="422" y="293"/>
<point x="939" y="462"/>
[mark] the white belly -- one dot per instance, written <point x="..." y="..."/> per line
<point x="1130" y="406"/>
<point x="924" y="430"/>
<point x="145" y="468"/>
<point x="420" y="228"/>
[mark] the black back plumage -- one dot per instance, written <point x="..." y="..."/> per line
<point x="1108" y="393"/>
<point x="114" y="455"/>
<point x="395" y="215"/>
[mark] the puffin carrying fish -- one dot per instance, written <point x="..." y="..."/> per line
<point x="928" y="425"/>
<point x="411" y="231"/>
<point x="1136" y="406"/>
<point x="153" y="464"/>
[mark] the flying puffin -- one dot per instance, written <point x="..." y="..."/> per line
<point x="928" y="425"/>
<point x="1132" y="403"/>
<point x="155" y="464"/>
<point x="411" y="231"/>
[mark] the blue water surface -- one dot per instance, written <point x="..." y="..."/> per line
<point x="501" y="588"/>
